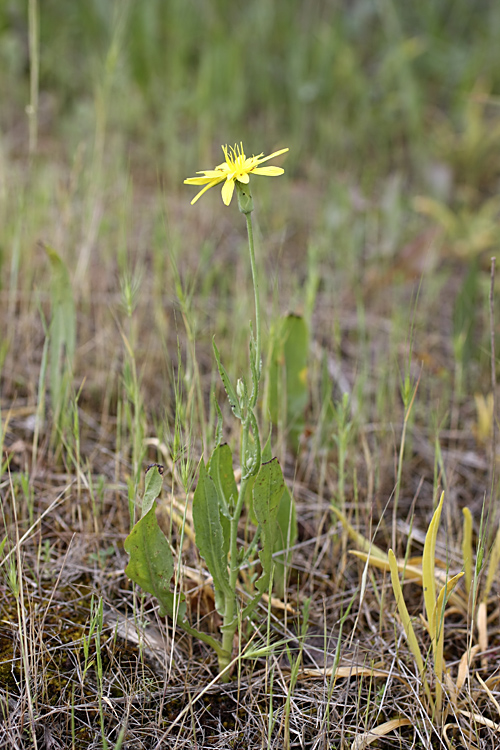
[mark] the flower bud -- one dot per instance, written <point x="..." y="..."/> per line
<point x="245" y="200"/>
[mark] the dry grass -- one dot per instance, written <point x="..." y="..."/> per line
<point x="159" y="689"/>
<point x="398" y="313"/>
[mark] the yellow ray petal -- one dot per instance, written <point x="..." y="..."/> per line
<point x="227" y="191"/>
<point x="268" y="171"/>
<point x="207" y="187"/>
<point x="271" y="156"/>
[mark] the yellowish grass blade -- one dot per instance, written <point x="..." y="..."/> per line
<point x="492" y="566"/>
<point x="428" y="567"/>
<point x="407" y="624"/>
<point x="490" y="694"/>
<point x="365" y="739"/>
<point x="482" y="630"/>
<point x="438" y="617"/>
<point x="346" y="672"/>
<point x="410" y="571"/>
<point x="362" y="542"/>
<point x="481" y="720"/>
<point x="467" y="549"/>
<point x="463" y="667"/>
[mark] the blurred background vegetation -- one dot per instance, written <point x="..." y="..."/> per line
<point x="367" y="86"/>
<point x="391" y="112"/>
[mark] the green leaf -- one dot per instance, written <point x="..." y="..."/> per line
<point x="253" y="459"/>
<point x="265" y="458"/>
<point x="286" y="537"/>
<point x="231" y="393"/>
<point x="267" y="492"/>
<point x="221" y="471"/>
<point x="211" y="538"/>
<point x="152" y="489"/>
<point x="267" y="453"/>
<point x="288" y="384"/>
<point x="218" y="429"/>
<point x="151" y="565"/>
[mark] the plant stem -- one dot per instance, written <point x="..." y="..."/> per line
<point x="255" y="280"/>
<point x="230" y="621"/>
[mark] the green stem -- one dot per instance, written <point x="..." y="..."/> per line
<point x="255" y="280"/>
<point x="230" y="621"/>
<point x="201" y="637"/>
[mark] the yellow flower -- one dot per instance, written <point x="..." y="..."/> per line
<point x="236" y="167"/>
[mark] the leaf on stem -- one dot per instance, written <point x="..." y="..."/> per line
<point x="152" y="489"/>
<point x="231" y="393"/>
<point x="285" y="538"/>
<point x="212" y="529"/>
<point x="151" y="565"/>
<point x="221" y="471"/>
<point x="268" y="489"/>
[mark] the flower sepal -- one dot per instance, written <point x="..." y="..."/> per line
<point x="245" y="200"/>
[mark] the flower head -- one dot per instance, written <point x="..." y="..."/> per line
<point x="237" y="167"/>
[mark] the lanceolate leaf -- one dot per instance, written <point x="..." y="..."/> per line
<point x="285" y="538"/>
<point x="221" y="471"/>
<point x="231" y="393"/>
<point x="268" y="489"/>
<point x="211" y="538"/>
<point x="152" y="489"/>
<point x="151" y="565"/>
